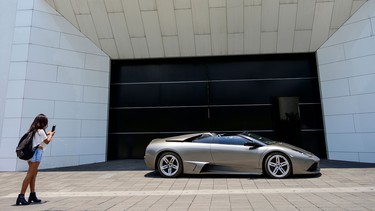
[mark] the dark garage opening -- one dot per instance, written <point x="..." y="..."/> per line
<point x="156" y="98"/>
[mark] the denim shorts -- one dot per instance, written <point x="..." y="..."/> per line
<point x="37" y="157"/>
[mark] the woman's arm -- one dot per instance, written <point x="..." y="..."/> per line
<point x="49" y="137"/>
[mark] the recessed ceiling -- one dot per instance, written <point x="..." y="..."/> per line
<point x="127" y="29"/>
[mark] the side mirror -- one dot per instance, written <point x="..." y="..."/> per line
<point x="252" y="145"/>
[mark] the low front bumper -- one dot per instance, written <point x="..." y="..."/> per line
<point x="308" y="165"/>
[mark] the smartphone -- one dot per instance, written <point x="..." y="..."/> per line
<point x="53" y="127"/>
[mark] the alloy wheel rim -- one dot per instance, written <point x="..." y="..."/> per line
<point x="278" y="166"/>
<point x="169" y="165"/>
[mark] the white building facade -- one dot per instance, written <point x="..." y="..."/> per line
<point x="347" y="75"/>
<point x="58" y="63"/>
<point x="49" y="67"/>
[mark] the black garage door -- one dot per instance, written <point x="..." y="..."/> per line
<point x="166" y="97"/>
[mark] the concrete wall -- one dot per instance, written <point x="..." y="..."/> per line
<point x="53" y="69"/>
<point x="7" y="21"/>
<point x="347" y="77"/>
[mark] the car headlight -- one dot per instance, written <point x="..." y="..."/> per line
<point x="303" y="153"/>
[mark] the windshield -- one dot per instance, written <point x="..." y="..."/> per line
<point x="260" y="138"/>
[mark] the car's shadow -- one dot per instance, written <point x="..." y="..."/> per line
<point x="155" y="174"/>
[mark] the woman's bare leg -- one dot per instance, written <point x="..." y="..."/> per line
<point x="30" y="177"/>
<point x="33" y="179"/>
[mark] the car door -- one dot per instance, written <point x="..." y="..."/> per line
<point x="230" y="154"/>
<point x="196" y="155"/>
<point x="197" y="150"/>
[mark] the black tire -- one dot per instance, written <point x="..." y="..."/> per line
<point x="278" y="166"/>
<point x="169" y="165"/>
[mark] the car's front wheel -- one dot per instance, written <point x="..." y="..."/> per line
<point x="278" y="166"/>
<point x="169" y="165"/>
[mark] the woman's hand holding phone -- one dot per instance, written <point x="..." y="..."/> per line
<point x="52" y="132"/>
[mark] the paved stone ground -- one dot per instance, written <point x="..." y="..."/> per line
<point x="128" y="185"/>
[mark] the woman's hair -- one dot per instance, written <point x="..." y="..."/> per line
<point x="40" y="122"/>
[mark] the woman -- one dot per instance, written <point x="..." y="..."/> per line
<point x="40" y="141"/>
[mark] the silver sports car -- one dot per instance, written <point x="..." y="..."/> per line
<point x="210" y="153"/>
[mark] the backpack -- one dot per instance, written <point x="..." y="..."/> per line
<point x="25" y="149"/>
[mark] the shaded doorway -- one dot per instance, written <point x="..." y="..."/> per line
<point x="166" y="97"/>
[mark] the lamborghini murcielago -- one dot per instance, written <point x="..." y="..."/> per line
<point x="245" y="153"/>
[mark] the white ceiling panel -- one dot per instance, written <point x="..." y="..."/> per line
<point x="113" y="6"/>
<point x="235" y="16"/>
<point x="147" y="5"/>
<point x="87" y="27"/>
<point x="140" y="47"/>
<point x="182" y="4"/>
<point x="253" y="2"/>
<point x="100" y="17"/>
<point x="185" y="32"/>
<point x="121" y="35"/>
<point x="80" y="7"/>
<point x="235" y="44"/>
<point x="219" y="35"/>
<point x="341" y="12"/>
<point x="110" y="47"/>
<point x="287" y="22"/>
<point x="252" y="29"/>
<point x="320" y="31"/>
<point x="219" y="44"/>
<point x="133" y="18"/>
<point x="200" y="16"/>
<point x="217" y="3"/>
<point x="302" y="41"/>
<point x="288" y="1"/>
<point x="153" y="33"/>
<point x="174" y="28"/>
<point x="171" y="46"/>
<point x="203" y="44"/>
<point x="270" y="15"/>
<point x="305" y="14"/>
<point x="268" y="42"/>
<point x="65" y="9"/>
<point x="166" y="17"/>
<point x="218" y="20"/>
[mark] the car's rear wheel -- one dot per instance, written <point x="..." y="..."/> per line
<point x="169" y="165"/>
<point x="278" y="165"/>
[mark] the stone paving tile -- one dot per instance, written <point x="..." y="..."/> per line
<point x="128" y="185"/>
